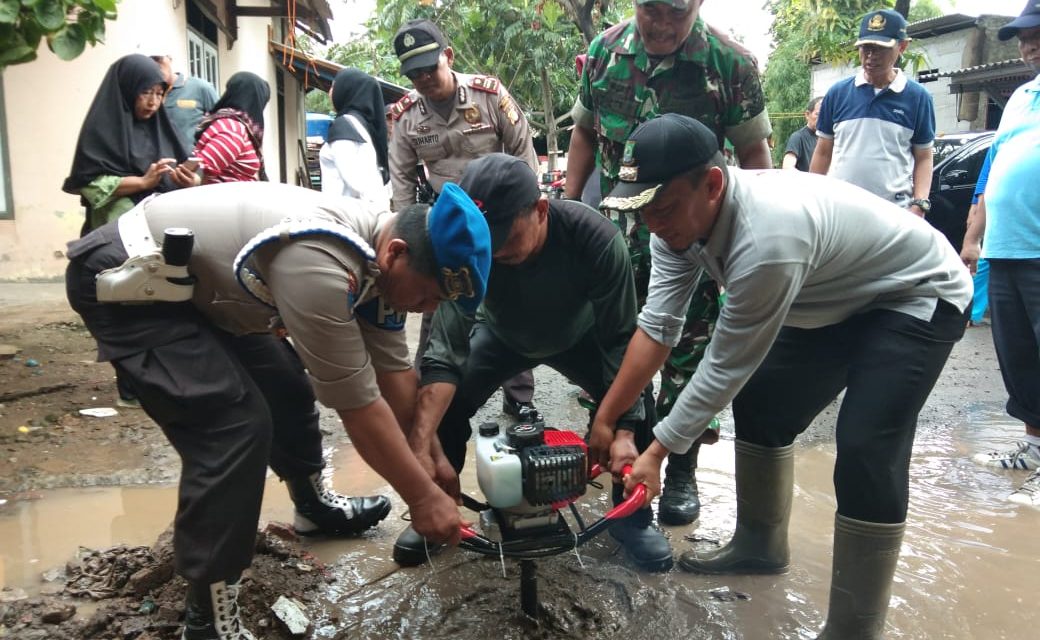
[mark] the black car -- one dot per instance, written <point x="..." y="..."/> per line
<point x="957" y="162"/>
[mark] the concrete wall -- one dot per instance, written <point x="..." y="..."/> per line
<point x="45" y="102"/>
<point x="946" y="52"/>
<point x="942" y="52"/>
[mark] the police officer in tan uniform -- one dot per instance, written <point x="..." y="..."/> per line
<point x="197" y="347"/>
<point x="449" y="119"/>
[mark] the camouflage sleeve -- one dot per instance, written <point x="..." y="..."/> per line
<point x="746" y="119"/>
<point x="403" y="175"/>
<point x="514" y="130"/>
<point x="583" y="111"/>
<point x="581" y="115"/>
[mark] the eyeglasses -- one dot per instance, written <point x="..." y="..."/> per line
<point x="874" y="50"/>
<point x="415" y="74"/>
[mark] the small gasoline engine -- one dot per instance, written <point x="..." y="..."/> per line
<point x="528" y="474"/>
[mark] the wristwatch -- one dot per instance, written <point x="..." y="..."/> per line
<point x="924" y="203"/>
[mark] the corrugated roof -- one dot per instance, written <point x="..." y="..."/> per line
<point x="1013" y="65"/>
<point x="315" y="18"/>
<point x="940" y="25"/>
<point x="318" y="73"/>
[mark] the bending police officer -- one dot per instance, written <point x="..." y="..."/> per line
<point x="334" y="275"/>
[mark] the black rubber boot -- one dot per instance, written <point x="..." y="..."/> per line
<point x="412" y="550"/>
<point x="320" y="511"/>
<point x="211" y="613"/>
<point x="680" y="502"/>
<point x="644" y="544"/>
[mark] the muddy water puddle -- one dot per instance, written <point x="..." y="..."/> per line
<point x="970" y="564"/>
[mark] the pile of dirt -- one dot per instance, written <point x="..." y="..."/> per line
<point x="139" y="597"/>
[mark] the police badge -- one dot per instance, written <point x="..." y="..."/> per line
<point x="507" y="107"/>
<point x="472" y="114"/>
<point x="877" y="23"/>
<point x="408" y="40"/>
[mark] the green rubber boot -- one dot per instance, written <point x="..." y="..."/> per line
<point x="765" y="480"/>
<point x="865" y="557"/>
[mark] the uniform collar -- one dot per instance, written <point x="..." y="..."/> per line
<point x="896" y="86"/>
<point x="694" y="49"/>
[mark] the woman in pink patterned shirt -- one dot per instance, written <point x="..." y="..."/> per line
<point x="229" y="141"/>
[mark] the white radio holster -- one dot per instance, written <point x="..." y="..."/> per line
<point x="144" y="276"/>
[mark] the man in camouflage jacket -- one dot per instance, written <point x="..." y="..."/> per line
<point x="666" y="60"/>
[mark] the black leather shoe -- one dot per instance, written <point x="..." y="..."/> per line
<point x="412" y="550"/>
<point x="320" y="511"/>
<point x="522" y="411"/>
<point x="645" y="546"/>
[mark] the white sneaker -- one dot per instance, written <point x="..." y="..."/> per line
<point x="1029" y="493"/>
<point x="1023" y="456"/>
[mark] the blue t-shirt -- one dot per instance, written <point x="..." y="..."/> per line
<point x="1012" y="199"/>
<point x="875" y="133"/>
<point x="980" y="184"/>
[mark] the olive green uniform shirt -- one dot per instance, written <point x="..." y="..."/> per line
<point x="581" y="281"/>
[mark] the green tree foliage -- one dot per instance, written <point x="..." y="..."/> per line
<point x="529" y="44"/>
<point x="67" y="25"/>
<point x="813" y="31"/>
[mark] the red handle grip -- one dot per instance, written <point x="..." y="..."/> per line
<point x="634" y="502"/>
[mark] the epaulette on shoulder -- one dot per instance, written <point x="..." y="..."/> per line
<point x="398" y="108"/>
<point x="488" y="84"/>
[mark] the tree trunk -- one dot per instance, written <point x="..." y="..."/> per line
<point x="903" y="7"/>
<point x="581" y="11"/>
<point x="550" y="119"/>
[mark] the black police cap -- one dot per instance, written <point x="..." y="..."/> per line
<point x="657" y="151"/>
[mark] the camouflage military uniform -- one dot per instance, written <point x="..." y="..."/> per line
<point x="485" y="119"/>
<point x="621" y="86"/>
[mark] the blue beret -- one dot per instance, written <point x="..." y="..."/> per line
<point x="461" y="245"/>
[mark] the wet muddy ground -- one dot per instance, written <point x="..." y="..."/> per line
<point x="968" y="568"/>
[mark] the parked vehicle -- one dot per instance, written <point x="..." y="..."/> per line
<point x="957" y="162"/>
<point x="552" y="183"/>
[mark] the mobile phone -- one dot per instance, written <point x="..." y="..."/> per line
<point x="192" y="163"/>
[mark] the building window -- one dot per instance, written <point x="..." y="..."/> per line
<point x="202" y="46"/>
<point x="6" y="204"/>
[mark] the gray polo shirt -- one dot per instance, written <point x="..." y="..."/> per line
<point x="791" y="249"/>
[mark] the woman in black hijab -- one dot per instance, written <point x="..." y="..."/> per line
<point x="127" y="147"/>
<point x="354" y="157"/>
<point x="229" y="141"/>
